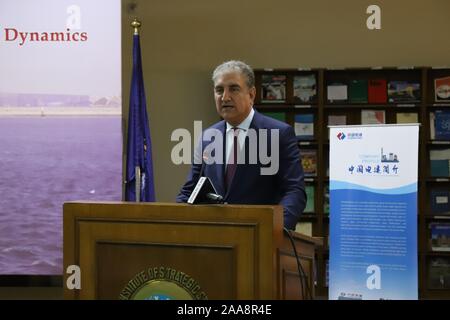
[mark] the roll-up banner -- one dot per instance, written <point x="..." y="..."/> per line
<point x="373" y="212"/>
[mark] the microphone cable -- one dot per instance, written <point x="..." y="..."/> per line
<point x="301" y="272"/>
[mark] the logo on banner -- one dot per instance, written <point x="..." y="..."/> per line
<point x="341" y="136"/>
<point x="350" y="135"/>
<point x="354" y="135"/>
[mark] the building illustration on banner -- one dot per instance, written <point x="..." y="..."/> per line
<point x="391" y="157"/>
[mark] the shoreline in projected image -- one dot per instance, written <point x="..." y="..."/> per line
<point x="44" y="162"/>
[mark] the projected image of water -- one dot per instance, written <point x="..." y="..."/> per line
<point x="44" y="162"/>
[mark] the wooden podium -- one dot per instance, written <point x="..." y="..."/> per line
<point x="205" y="251"/>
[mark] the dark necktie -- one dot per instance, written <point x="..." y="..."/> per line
<point x="232" y="160"/>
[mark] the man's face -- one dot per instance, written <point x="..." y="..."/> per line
<point x="234" y="99"/>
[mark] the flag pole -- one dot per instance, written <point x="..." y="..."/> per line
<point x="136" y="24"/>
<point x="138" y="183"/>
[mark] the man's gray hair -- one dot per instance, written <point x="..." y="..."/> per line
<point x="233" y="66"/>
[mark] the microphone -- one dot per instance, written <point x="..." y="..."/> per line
<point x="202" y="168"/>
<point x="204" y="192"/>
<point x="217" y="198"/>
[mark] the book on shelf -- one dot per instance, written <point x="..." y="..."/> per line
<point x="336" y="120"/>
<point x="327" y="272"/>
<point x="305" y="88"/>
<point x="357" y="91"/>
<point x="439" y="273"/>
<point x="304" y="126"/>
<point x="273" y="88"/>
<point x="403" y="92"/>
<point x="309" y="199"/>
<point x="432" y="127"/>
<point x="337" y="92"/>
<point x="309" y="162"/>
<point x="440" y="168"/>
<point x="373" y="117"/>
<point x="407" y="117"/>
<point x="442" y="89"/>
<point x="305" y="228"/>
<point x="442" y="124"/>
<point x="326" y="200"/>
<point x="281" y="116"/>
<point x="440" y="163"/>
<point x="440" y="236"/>
<point x="377" y="91"/>
<point x="440" y="201"/>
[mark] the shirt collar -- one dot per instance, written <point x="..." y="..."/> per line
<point x="244" y="125"/>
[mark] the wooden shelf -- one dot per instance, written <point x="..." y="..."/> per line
<point x="438" y="142"/>
<point x="322" y="108"/>
<point x="396" y="106"/>
<point x="284" y="106"/>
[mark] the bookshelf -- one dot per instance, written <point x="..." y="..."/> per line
<point x="311" y="98"/>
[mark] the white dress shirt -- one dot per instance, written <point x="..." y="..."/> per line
<point x="243" y="126"/>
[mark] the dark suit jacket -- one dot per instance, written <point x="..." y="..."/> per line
<point x="286" y="187"/>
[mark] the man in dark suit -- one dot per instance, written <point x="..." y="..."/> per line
<point x="237" y="176"/>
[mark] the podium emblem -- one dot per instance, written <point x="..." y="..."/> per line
<point x="162" y="283"/>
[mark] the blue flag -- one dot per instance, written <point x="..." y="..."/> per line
<point x="139" y="145"/>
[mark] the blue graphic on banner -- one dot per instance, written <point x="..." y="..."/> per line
<point x="338" y="185"/>
<point x="373" y="232"/>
